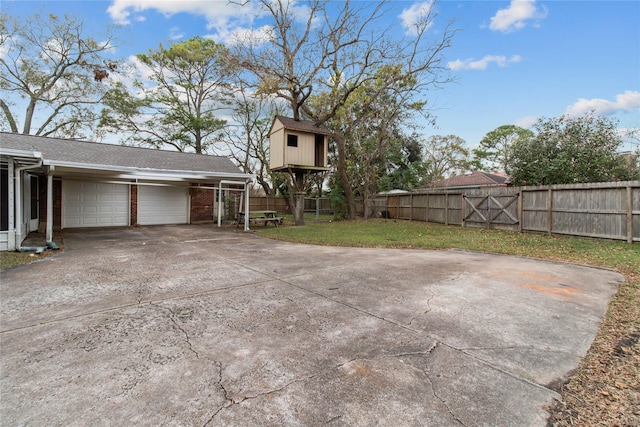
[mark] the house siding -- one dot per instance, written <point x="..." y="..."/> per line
<point x="304" y="153"/>
<point x="276" y="148"/>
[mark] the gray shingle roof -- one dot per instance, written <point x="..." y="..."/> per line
<point x="302" y="125"/>
<point x="476" y="178"/>
<point x="56" y="150"/>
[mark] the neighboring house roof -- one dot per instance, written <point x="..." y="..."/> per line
<point x="474" y="179"/>
<point x="301" y="125"/>
<point x="99" y="156"/>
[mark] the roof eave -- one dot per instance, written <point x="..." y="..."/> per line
<point x="151" y="174"/>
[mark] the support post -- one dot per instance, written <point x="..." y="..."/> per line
<point x="49" y="229"/>
<point x="18" y="207"/>
<point x="11" y="243"/>
<point x="246" y="205"/>
<point x="299" y="198"/>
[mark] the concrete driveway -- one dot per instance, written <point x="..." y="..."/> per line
<point x="191" y="325"/>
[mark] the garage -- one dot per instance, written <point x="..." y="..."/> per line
<point x="163" y="205"/>
<point x="94" y="204"/>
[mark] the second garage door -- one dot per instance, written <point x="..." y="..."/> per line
<point x="163" y="205"/>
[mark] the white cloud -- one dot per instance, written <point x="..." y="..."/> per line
<point x="221" y="16"/>
<point x="141" y="69"/>
<point x="526" y="122"/>
<point x="413" y="16"/>
<point x="482" y="64"/>
<point x="6" y="47"/>
<point x="175" y="33"/>
<point x="627" y="101"/>
<point x="515" y="16"/>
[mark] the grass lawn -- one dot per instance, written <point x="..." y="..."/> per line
<point x="605" y="389"/>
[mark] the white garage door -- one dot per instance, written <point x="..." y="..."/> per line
<point x="94" y="204"/>
<point x="163" y="205"/>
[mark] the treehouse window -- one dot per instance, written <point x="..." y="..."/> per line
<point x="292" y="140"/>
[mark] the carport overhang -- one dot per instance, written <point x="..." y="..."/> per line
<point x="148" y="176"/>
<point x="19" y="160"/>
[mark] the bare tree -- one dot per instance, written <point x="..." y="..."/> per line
<point x="53" y="70"/>
<point x="334" y="50"/>
<point x="248" y="137"/>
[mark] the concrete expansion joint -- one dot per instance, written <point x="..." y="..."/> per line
<point x="466" y="352"/>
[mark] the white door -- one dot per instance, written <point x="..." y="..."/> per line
<point x="94" y="204"/>
<point x="163" y="205"/>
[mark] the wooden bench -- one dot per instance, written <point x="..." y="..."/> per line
<point x="261" y="218"/>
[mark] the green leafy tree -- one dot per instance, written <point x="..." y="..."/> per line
<point x="372" y="123"/>
<point x="189" y="83"/>
<point x="405" y="166"/>
<point x="445" y="155"/>
<point x="52" y="74"/>
<point x="493" y="148"/>
<point x="567" y="150"/>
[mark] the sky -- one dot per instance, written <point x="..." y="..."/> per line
<point x="512" y="61"/>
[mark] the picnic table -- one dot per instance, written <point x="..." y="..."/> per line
<point x="261" y="217"/>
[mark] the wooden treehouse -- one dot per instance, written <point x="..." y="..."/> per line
<point x="297" y="146"/>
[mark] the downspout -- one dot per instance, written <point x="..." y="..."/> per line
<point x="18" y="185"/>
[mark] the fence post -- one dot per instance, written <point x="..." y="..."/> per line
<point x="411" y="207"/>
<point x="629" y="214"/>
<point x="446" y="208"/>
<point x="520" y="207"/>
<point x="488" y="219"/>
<point x="462" y="213"/>
<point x="550" y="212"/>
<point x="426" y="213"/>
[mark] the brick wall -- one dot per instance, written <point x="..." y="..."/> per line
<point x="202" y="204"/>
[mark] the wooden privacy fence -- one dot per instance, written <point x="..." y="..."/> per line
<point x="602" y="210"/>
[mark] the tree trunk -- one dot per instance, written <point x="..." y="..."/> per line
<point x="344" y="179"/>
<point x="298" y="205"/>
<point x="28" y="117"/>
<point x="298" y="211"/>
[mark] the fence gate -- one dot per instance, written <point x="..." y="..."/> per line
<point x="489" y="210"/>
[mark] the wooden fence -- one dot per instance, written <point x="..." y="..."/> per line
<point x="320" y="205"/>
<point x="601" y="210"/>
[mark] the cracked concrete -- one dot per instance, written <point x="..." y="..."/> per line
<point x="191" y="325"/>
